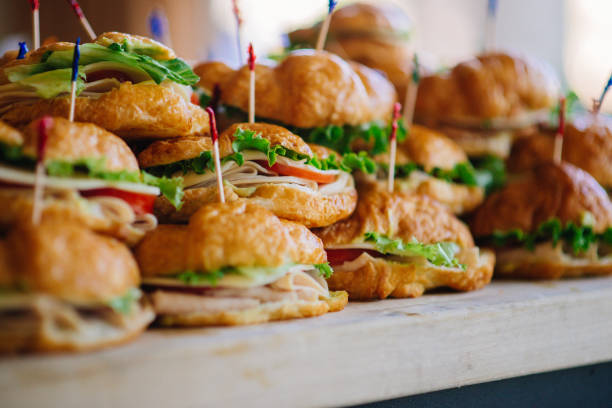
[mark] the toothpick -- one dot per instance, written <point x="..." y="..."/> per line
<point x="84" y="22"/>
<point x="325" y="25"/>
<point x="39" y="179"/>
<point x="35" y="5"/>
<point x="490" y="25"/>
<point x="393" y="147"/>
<point x="73" y="81"/>
<point x="215" y="98"/>
<point x="598" y="102"/>
<point x="159" y="27"/>
<point x="558" y="152"/>
<point x="238" y="18"/>
<point x="411" y="93"/>
<point x="251" y="84"/>
<point x="215" y="138"/>
<point x="23" y="50"/>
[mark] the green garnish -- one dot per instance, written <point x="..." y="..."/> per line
<point x="211" y="278"/>
<point x="490" y="172"/>
<point x="341" y="138"/>
<point x="324" y="269"/>
<point x="123" y="304"/>
<point x="579" y="238"/>
<point x="439" y="254"/>
<point x="572" y="105"/>
<point x="248" y="140"/>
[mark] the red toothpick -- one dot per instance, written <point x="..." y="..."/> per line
<point x="215" y="98"/>
<point x="558" y="152"/>
<point x="215" y="138"/>
<point x="44" y="125"/>
<point x="393" y="146"/>
<point x="325" y="26"/>
<point x="34" y="5"/>
<point x="251" y="84"/>
<point x="79" y="13"/>
<point x="238" y="18"/>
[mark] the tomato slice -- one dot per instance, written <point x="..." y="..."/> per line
<point x="286" y="170"/>
<point x="140" y="203"/>
<point x="108" y="73"/>
<point x="195" y="99"/>
<point x="340" y="256"/>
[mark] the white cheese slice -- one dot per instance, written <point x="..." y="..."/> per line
<point x="24" y="177"/>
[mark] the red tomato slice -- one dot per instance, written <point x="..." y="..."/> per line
<point x="194" y="99"/>
<point x="108" y="73"/>
<point x="140" y="203"/>
<point x="340" y="256"/>
<point x="285" y="170"/>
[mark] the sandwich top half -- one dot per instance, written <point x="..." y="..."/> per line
<point x="554" y="221"/>
<point x="235" y="263"/>
<point x="587" y="143"/>
<point x="130" y="85"/>
<point x="429" y="163"/>
<point x="399" y="245"/>
<point x="316" y="95"/>
<point x="265" y="163"/>
<point x="377" y="36"/>
<point x="486" y="101"/>
<point x="91" y="176"/>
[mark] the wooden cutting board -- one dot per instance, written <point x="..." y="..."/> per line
<point x="370" y="351"/>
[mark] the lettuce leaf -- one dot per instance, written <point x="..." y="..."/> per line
<point x="579" y="238"/>
<point x="490" y="172"/>
<point x="324" y="269"/>
<point x="52" y="83"/>
<point x="228" y="275"/>
<point x="196" y="278"/>
<point x="439" y="254"/>
<point x="248" y="140"/>
<point x="341" y="138"/>
<point x="572" y="106"/>
<point x="199" y="165"/>
<point x="169" y="187"/>
<point x="175" y="70"/>
<point x="123" y="304"/>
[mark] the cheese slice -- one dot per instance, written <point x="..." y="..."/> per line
<point x="24" y="177"/>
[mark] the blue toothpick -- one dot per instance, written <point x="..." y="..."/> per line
<point x="75" y="73"/>
<point x="325" y="26"/>
<point x="603" y="94"/>
<point x="23" y="50"/>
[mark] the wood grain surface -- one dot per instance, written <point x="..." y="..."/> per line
<point x="371" y="351"/>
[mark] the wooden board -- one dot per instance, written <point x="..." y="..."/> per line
<point x="371" y="351"/>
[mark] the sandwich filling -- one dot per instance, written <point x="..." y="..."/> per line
<point x="374" y="245"/>
<point x="123" y="198"/>
<point x="552" y="242"/>
<point x="103" y="66"/>
<point x="237" y="288"/>
<point x="336" y="137"/>
<point x="27" y="318"/>
<point x="255" y="162"/>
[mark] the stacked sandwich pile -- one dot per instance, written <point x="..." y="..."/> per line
<point x="306" y="207"/>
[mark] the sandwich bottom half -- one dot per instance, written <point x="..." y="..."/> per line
<point x="369" y="277"/>
<point x="548" y="261"/>
<point x="239" y="307"/>
<point x="44" y="323"/>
